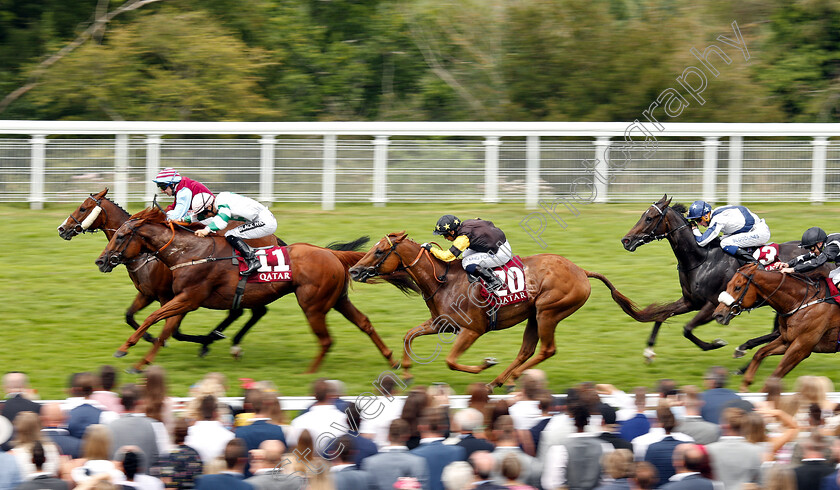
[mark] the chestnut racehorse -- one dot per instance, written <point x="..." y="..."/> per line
<point x="556" y="288"/>
<point x="807" y="323"/>
<point x="152" y="279"/>
<point x="206" y="277"/>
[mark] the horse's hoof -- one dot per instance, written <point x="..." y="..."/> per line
<point x="739" y="353"/>
<point x="133" y="370"/>
<point x="718" y="343"/>
<point x="236" y="352"/>
<point x="203" y="351"/>
<point x="490" y="361"/>
<point x="490" y="387"/>
<point x="737" y="372"/>
<point x="649" y="355"/>
<point x="120" y="353"/>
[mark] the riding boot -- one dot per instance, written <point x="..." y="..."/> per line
<point x="491" y="280"/>
<point x="746" y="256"/>
<point x="248" y="255"/>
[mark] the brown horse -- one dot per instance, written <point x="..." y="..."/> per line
<point x="807" y="323"/>
<point x="152" y="279"/>
<point x="556" y="288"/>
<point x="206" y="277"/>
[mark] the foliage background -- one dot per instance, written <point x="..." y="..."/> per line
<point x="61" y="315"/>
<point x="528" y="60"/>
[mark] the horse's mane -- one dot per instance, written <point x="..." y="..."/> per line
<point x="679" y="207"/>
<point x="150" y="214"/>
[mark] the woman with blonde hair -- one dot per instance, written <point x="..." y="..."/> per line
<point x="314" y="469"/>
<point x="27" y="432"/>
<point x="754" y="429"/>
<point x="96" y="451"/>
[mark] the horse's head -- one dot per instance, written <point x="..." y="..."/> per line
<point x="652" y="225"/>
<point x="741" y="294"/>
<point x="382" y="259"/>
<point x="88" y="216"/>
<point x="128" y="242"/>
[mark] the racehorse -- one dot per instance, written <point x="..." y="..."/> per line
<point x="152" y="279"/>
<point x="703" y="271"/>
<point x="205" y="277"/>
<point x="556" y="288"/>
<point x="807" y="322"/>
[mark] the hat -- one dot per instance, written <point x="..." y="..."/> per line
<point x="5" y="429"/>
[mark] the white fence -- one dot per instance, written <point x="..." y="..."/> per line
<point x="380" y="162"/>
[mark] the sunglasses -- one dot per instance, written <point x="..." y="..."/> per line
<point x="162" y="186"/>
<point x="812" y="248"/>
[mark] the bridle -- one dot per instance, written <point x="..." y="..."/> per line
<point x="374" y="269"/>
<point x="651" y="236"/>
<point x="84" y="225"/>
<point x="117" y="256"/>
<point x="736" y="306"/>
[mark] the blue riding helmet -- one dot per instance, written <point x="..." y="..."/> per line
<point x="698" y="209"/>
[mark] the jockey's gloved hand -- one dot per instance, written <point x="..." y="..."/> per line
<point x="427" y="246"/>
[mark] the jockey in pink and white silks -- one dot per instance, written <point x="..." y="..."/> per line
<point x="191" y="196"/>
<point x="258" y="222"/>
<point x="740" y="227"/>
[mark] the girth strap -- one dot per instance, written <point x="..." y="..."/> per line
<point x="240" y="290"/>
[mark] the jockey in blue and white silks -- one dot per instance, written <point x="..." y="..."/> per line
<point x="740" y="227"/>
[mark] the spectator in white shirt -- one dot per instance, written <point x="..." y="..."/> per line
<point x="208" y="436"/>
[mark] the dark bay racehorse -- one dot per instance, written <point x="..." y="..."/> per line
<point x="152" y="279"/>
<point x="319" y="279"/>
<point x="556" y="288"/>
<point x="807" y="323"/>
<point x="703" y="271"/>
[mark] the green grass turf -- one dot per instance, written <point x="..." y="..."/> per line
<point x="61" y="315"/>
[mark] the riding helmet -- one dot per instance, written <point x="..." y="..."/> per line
<point x="167" y="176"/>
<point x="698" y="209"/>
<point x="812" y="236"/>
<point x="446" y="224"/>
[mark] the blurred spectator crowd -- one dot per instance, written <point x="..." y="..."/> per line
<point x="136" y="436"/>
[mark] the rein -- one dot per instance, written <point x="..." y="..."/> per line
<point x="653" y="236"/>
<point x="441" y="280"/>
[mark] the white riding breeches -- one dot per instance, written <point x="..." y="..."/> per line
<point x="835" y="275"/>
<point x="759" y="235"/>
<point x="487" y="259"/>
<point x="264" y="225"/>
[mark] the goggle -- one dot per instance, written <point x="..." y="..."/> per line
<point x="162" y="185"/>
<point x="812" y="248"/>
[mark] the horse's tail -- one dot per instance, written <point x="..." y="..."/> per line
<point x="401" y="280"/>
<point x="652" y="313"/>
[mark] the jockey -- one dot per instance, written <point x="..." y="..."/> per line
<point x="191" y="196"/>
<point x="740" y="227"/>
<point x="821" y="248"/>
<point x="482" y="244"/>
<point x="259" y="222"/>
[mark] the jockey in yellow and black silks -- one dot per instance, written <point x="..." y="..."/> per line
<point x="482" y="245"/>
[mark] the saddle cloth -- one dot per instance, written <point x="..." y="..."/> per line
<point x="275" y="265"/>
<point x="513" y="275"/>
<point x="767" y="254"/>
<point x="833" y="293"/>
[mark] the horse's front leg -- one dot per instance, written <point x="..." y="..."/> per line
<point x="426" y="328"/>
<point x="180" y="305"/>
<point x="755" y="342"/>
<point x="704" y="316"/>
<point x="774" y="348"/>
<point x="140" y="301"/>
<point x="172" y="323"/>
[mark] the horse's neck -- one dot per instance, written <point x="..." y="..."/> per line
<point x="786" y="293"/>
<point x="685" y="246"/>
<point x="115" y="216"/>
<point x="183" y="246"/>
<point x="425" y="273"/>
